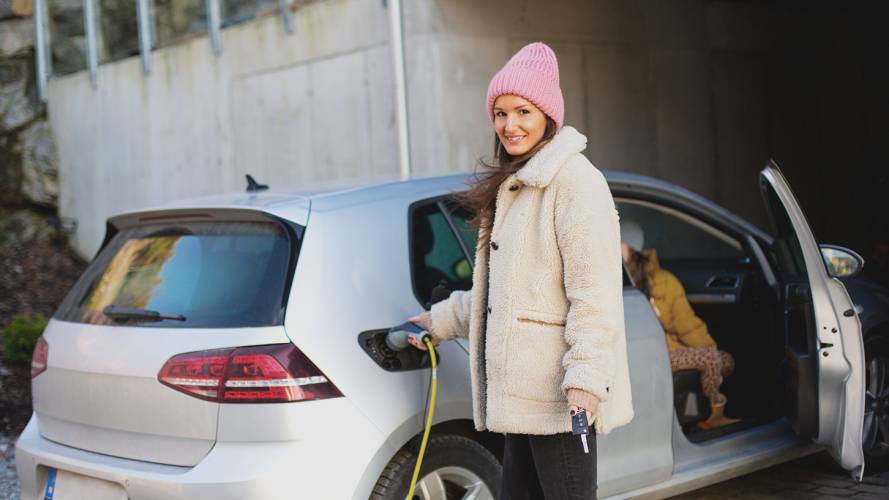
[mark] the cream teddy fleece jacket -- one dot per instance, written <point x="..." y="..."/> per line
<point x="551" y="325"/>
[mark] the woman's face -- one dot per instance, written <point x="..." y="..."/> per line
<point x="519" y="124"/>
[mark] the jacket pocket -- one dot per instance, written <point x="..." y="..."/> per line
<point x="541" y="321"/>
<point x="535" y="348"/>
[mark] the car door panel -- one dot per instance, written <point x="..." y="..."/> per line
<point x="641" y="453"/>
<point x="709" y="282"/>
<point x="821" y="320"/>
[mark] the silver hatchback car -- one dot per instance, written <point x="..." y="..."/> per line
<point x="233" y="347"/>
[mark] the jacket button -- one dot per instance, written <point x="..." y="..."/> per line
<point x="514" y="187"/>
<point x="606" y="389"/>
<point x="494" y="245"/>
<point x="489" y="309"/>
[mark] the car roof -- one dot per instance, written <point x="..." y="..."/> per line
<point x="294" y="202"/>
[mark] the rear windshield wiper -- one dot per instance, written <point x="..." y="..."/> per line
<point x="123" y="313"/>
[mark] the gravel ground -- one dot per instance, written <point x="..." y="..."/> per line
<point x="9" y="483"/>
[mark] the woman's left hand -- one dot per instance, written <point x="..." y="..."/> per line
<point x="572" y="410"/>
<point x="588" y="401"/>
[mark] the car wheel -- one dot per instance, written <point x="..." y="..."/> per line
<point x="876" y="404"/>
<point x="455" y="467"/>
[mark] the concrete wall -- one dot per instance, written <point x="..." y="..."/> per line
<point x="697" y="92"/>
<point x="288" y="109"/>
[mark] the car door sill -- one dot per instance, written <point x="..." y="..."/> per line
<point x="726" y="458"/>
<point x="718" y="472"/>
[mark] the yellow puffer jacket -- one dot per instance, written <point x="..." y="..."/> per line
<point x="667" y="296"/>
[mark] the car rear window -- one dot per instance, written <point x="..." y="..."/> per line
<point x="214" y="274"/>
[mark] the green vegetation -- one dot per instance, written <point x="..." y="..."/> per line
<point x="20" y="337"/>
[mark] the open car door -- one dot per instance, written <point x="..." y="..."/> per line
<point x="824" y="348"/>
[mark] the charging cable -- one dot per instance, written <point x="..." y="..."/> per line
<point x="397" y="339"/>
<point x="430" y="413"/>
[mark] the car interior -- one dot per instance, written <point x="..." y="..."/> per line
<point x="728" y="290"/>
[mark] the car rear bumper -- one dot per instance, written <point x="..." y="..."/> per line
<point x="334" y="465"/>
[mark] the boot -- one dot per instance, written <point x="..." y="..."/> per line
<point x="717" y="418"/>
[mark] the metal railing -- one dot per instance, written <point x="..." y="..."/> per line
<point x="146" y="37"/>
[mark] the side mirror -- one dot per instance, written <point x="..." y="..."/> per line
<point x="841" y="262"/>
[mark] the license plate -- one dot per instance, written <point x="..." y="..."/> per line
<point x="64" y="485"/>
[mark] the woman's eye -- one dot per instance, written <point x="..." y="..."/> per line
<point x="525" y="111"/>
<point x="500" y="113"/>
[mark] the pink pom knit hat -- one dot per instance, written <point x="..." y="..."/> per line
<point x="532" y="73"/>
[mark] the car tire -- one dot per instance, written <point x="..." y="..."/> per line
<point x="455" y="464"/>
<point x="876" y="406"/>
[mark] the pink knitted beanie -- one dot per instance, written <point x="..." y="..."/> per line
<point x="532" y="73"/>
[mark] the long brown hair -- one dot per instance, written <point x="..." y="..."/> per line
<point x="482" y="195"/>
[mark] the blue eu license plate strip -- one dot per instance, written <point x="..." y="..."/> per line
<point x="50" y="484"/>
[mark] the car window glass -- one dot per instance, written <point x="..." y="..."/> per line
<point x="215" y="274"/>
<point x="677" y="236"/>
<point x="436" y="255"/>
<point x="460" y="216"/>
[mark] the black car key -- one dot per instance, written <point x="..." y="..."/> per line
<point x="580" y="427"/>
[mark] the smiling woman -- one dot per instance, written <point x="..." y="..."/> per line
<point x="544" y="317"/>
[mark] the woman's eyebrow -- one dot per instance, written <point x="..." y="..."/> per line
<point x="520" y="106"/>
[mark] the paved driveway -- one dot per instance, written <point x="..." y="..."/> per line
<point x="812" y="477"/>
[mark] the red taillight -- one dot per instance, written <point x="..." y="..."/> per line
<point x="261" y="374"/>
<point x="40" y="357"/>
<point x="196" y="373"/>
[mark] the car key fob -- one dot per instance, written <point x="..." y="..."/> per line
<point x="580" y="427"/>
<point x="579" y="424"/>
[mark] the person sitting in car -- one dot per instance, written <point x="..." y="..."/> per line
<point x="689" y="343"/>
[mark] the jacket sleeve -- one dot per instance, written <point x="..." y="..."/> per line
<point x="450" y="317"/>
<point x="588" y="237"/>
<point x="691" y="329"/>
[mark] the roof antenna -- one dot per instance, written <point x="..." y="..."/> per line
<point x="252" y="185"/>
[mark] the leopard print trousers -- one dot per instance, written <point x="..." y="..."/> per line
<point x="712" y="363"/>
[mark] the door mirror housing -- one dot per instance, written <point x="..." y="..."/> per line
<point x="841" y="262"/>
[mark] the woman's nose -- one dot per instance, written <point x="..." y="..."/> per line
<point x="511" y="124"/>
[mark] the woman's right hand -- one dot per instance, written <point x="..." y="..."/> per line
<point x="424" y="321"/>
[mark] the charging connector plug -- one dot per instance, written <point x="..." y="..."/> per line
<point x="398" y="336"/>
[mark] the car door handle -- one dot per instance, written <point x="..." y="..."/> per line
<point x="722" y="282"/>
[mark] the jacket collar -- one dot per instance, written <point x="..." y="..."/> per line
<point x="543" y="166"/>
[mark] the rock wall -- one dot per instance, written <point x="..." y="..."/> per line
<point x="28" y="158"/>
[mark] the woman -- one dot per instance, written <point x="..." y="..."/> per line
<point x="544" y="317"/>
<point x="690" y="345"/>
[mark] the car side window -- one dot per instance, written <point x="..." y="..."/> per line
<point x="437" y="256"/>
<point x="676" y="236"/>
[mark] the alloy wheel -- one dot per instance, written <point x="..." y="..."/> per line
<point x="452" y="483"/>
<point x="876" y="407"/>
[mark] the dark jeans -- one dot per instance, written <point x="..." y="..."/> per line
<point x="548" y="467"/>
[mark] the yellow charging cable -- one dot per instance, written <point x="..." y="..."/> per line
<point x="432" y="390"/>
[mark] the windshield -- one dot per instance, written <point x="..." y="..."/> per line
<point x="212" y="274"/>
